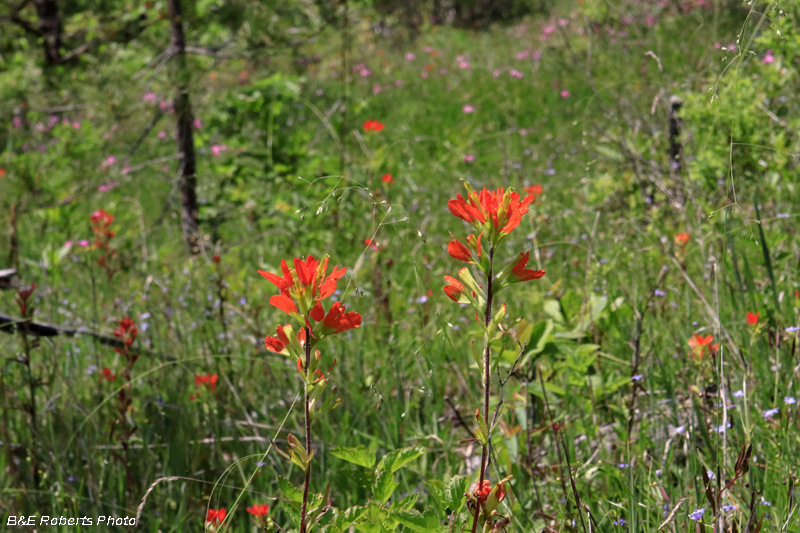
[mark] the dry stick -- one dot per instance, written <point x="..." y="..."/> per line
<point x="571" y="478"/>
<point x="344" y="80"/>
<point x="558" y="450"/>
<point x="487" y="379"/>
<point x="635" y="344"/>
<point x="458" y="415"/>
<point x="308" y="433"/>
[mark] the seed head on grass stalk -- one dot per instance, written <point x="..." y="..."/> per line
<point x="493" y="215"/>
<point x="302" y="290"/>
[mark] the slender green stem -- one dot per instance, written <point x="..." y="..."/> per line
<point x="308" y="434"/>
<point x="487" y="318"/>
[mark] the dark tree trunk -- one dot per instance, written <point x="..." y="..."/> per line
<point x="50" y="28"/>
<point x="185" y="121"/>
<point x="675" y="148"/>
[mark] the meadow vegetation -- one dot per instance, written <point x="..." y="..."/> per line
<point x="261" y="278"/>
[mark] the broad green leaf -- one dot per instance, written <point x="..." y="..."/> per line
<point x="425" y="522"/>
<point x="384" y="486"/>
<point x="291" y="492"/>
<point x="454" y="493"/>
<point x="405" y="504"/>
<point x="437" y="490"/>
<point x="360" y="455"/>
<point x="553" y="309"/>
<point x="346" y="518"/>
<point x="393" y="461"/>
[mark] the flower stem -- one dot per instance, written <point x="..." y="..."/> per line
<point x="487" y="318"/>
<point x="308" y="433"/>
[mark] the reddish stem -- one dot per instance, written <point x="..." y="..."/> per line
<point x="487" y="318"/>
<point x="308" y="434"/>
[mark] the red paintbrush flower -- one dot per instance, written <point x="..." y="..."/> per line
<point x="387" y="179"/>
<point x="497" y="212"/>
<point x="682" y="239"/>
<point x="101" y="218"/>
<point x="520" y="273"/>
<point x="258" y="510"/>
<point x="482" y="492"/>
<point x="698" y="344"/>
<point x="209" y="380"/>
<point x="373" y="245"/>
<point x="752" y="319"/>
<point x="216" y="516"/>
<point x="22" y="298"/>
<point x="536" y="190"/>
<point x="454" y="288"/>
<point x="458" y="251"/>
<point x="126" y="332"/>
<point x="373" y="125"/>
<point x="338" y="321"/>
<point x="303" y="285"/>
<point x="277" y="344"/>
<point x="108" y="375"/>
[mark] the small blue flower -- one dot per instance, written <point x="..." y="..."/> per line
<point x="71" y="479"/>
<point x="765" y="502"/>
<point x="619" y="522"/>
<point x="659" y="292"/>
<point x="728" y="508"/>
<point x="770" y="412"/>
<point x="623" y="465"/>
<point x="698" y="514"/>
<point x="637" y="377"/>
<point x="792" y="329"/>
<point x="680" y="429"/>
<point x="710" y="474"/>
<point x="738" y="394"/>
<point x="788" y="400"/>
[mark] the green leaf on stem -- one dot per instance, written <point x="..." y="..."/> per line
<point x="425" y="522"/>
<point x="360" y="455"/>
<point x="384" y="486"/>
<point x="291" y="492"/>
<point x="393" y="461"/>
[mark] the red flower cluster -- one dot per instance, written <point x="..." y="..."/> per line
<point x="373" y="245"/>
<point x="216" y="516"/>
<point x="520" y="273"/>
<point x="752" y="319"/>
<point x="101" y="226"/>
<point x="126" y="332"/>
<point x="373" y="125"/>
<point x="258" y="510"/>
<point x="497" y="211"/>
<point x="209" y="380"/>
<point x="301" y="291"/>
<point x="700" y="345"/>
<point x="536" y="190"/>
<point x="22" y="298"/>
<point x="495" y="214"/>
<point x="454" y="288"/>
<point x="108" y="375"/>
<point x="482" y="492"/>
<point x="682" y="239"/>
<point x="387" y="179"/>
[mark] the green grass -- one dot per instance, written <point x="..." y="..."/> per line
<point x="607" y="357"/>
